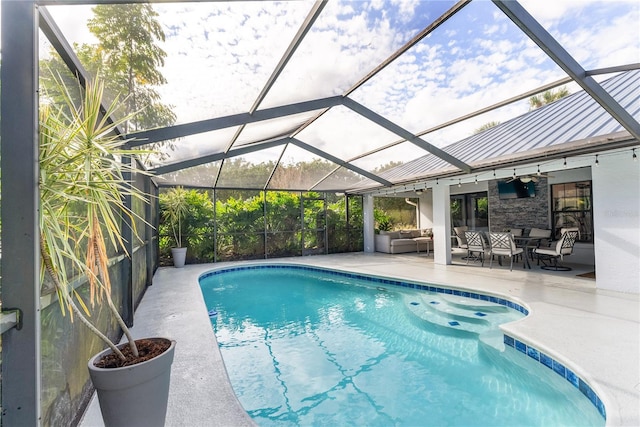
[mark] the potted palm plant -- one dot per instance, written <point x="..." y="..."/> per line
<point x="175" y="207"/>
<point x="81" y="207"/>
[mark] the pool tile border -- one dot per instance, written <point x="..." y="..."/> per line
<point x="522" y="347"/>
<point x="559" y="369"/>
<point x="378" y="280"/>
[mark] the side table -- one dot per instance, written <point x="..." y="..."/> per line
<point x="426" y="240"/>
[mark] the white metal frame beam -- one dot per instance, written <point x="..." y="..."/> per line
<point x="403" y="133"/>
<point x="178" y="131"/>
<point x="338" y="161"/>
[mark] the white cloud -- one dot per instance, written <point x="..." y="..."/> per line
<point x="221" y="54"/>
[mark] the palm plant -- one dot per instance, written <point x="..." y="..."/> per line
<point x="82" y="186"/>
<point x="175" y="207"/>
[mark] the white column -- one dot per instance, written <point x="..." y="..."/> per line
<point x="616" y="222"/>
<point x="369" y="223"/>
<point x="425" y="203"/>
<point x="441" y="224"/>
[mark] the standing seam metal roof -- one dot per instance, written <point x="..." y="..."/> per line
<point x="573" y="118"/>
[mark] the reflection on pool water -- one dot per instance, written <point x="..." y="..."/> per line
<point x="306" y="347"/>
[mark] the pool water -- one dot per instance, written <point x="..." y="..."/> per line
<point x="306" y="348"/>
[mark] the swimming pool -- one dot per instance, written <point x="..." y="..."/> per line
<point x="307" y="346"/>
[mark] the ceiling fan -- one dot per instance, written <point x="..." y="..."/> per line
<point x="529" y="177"/>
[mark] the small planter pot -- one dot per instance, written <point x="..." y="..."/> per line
<point x="179" y="255"/>
<point x="134" y="395"/>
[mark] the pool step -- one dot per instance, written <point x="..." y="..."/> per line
<point x="460" y="313"/>
<point x="440" y="305"/>
<point x="439" y="317"/>
<point x="474" y="304"/>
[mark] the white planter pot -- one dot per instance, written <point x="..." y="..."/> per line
<point x="135" y="395"/>
<point x="179" y="255"/>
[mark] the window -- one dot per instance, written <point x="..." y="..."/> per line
<point x="571" y="207"/>
<point x="471" y="210"/>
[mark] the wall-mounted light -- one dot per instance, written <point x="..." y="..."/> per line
<point x="419" y="192"/>
<point x="459" y="183"/>
<point x="564" y="164"/>
<point x="514" y="173"/>
<point x="538" y="173"/>
<point x="476" y="181"/>
<point x="526" y="179"/>
<point x="597" y="162"/>
<point x="634" y="157"/>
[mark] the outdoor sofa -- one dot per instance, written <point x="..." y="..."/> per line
<point x="403" y="241"/>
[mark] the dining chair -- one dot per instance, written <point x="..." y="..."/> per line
<point x="476" y="244"/>
<point x="460" y="237"/>
<point x="502" y="244"/>
<point x="549" y="256"/>
<point x="543" y="234"/>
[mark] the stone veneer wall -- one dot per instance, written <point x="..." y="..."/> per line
<point x="519" y="213"/>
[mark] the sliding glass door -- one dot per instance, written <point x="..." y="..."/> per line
<point x="471" y="209"/>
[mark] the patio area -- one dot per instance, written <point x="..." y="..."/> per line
<point x="594" y="332"/>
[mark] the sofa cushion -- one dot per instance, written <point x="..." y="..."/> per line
<point x="391" y="234"/>
<point x="406" y="234"/>
<point x="401" y="242"/>
<point x="409" y="234"/>
<point x="426" y="232"/>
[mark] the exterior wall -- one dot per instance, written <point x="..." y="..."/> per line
<point x="616" y="218"/>
<point x="519" y="213"/>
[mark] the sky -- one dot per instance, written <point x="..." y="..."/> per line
<point x="220" y="56"/>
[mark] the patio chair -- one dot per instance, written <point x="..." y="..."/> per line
<point x="543" y="234"/>
<point x="565" y="229"/>
<point x="502" y="244"/>
<point x="549" y="256"/>
<point x="516" y="232"/>
<point x="477" y="246"/>
<point x="460" y="237"/>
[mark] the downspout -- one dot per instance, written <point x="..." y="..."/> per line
<point x="406" y="199"/>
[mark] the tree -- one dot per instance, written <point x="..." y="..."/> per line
<point x="547" y="97"/>
<point x="127" y="58"/>
<point x="386" y="166"/>
<point x="127" y="36"/>
<point x="485" y="126"/>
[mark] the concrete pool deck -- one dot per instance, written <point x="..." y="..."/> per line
<point x="596" y="333"/>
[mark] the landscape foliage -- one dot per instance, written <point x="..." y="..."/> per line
<point x="256" y="224"/>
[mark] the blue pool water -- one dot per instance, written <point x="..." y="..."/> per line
<point x="303" y="347"/>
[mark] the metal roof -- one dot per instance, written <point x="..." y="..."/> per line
<point x="569" y="125"/>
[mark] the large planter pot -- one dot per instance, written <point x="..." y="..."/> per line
<point x="179" y="255"/>
<point x="134" y="395"/>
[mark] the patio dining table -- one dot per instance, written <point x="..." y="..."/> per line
<point x="528" y="244"/>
